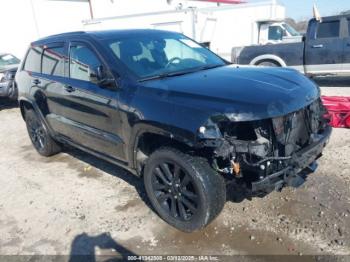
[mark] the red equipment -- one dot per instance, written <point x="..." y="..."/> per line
<point x="338" y="110"/>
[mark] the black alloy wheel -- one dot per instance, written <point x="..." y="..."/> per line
<point x="39" y="135"/>
<point x="183" y="189"/>
<point x="175" y="191"/>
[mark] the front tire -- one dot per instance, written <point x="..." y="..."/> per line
<point x="184" y="190"/>
<point x="39" y="135"/>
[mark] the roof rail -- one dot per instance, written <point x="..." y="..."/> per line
<point x="63" y="34"/>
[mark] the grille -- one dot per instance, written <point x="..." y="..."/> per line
<point x="294" y="130"/>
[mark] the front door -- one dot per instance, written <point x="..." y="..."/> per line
<point x="91" y="114"/>
<point x="324" y="50"/>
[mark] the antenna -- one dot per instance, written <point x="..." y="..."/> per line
<point x="317" y="15"/>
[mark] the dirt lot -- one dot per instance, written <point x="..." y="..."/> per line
<point x="74" y="203"/>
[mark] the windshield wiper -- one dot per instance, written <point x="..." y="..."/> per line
<point x="210" y="67"/>
<point x="179" y="73"/>
<point x="160" y="76"/>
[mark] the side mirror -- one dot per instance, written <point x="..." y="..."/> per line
<point x="100" y="77"/>
<point x="100" y="73"/>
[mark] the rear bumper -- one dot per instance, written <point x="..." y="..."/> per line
<point x="302" y="164"/>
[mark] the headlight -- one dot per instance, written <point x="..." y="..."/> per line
<point x="209" y="131"/>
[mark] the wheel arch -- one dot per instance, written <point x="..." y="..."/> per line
<point x="269" y="57"/>
<point x="24" y="105"/>
<point x="147" y="140"/>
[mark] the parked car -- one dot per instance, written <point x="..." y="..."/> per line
<point x="8" y="69"/>
<point x="168" y="110"/>
<point x="323" y="51"/>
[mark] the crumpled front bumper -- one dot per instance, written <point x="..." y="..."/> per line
<point x="302" y="164"/>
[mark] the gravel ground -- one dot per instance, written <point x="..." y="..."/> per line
<point x="73" y="203"/>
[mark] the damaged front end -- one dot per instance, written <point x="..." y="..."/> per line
<point x="269" y="154"/>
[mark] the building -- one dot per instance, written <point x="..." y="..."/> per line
<point x="24" y="21"/>
<point x="108" y="8"/>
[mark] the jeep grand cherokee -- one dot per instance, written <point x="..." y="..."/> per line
<point x="170" y="111"/>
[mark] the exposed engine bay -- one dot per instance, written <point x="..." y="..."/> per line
<point x="269" y="151"/>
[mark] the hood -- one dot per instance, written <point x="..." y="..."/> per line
<point x="241" y="94"/>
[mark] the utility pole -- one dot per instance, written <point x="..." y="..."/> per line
<point x="91" y="10"/>
<point x="35" y="19"/>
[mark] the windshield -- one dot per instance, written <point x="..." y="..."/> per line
<point x="7" y="59"/>
<point x="162" y="54"/>
<point x="291" y="30"/>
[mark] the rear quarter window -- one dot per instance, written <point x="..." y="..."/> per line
<point x="33" y="60"/>
<point x="329" y="29"/>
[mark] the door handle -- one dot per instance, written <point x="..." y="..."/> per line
<point x="69" y="89"/>
<point x="317" y="46"/>
<point x="36" y="82"/>
<point x="348" y="44"/>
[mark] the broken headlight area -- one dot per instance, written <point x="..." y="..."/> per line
<point x="255" y="150"/>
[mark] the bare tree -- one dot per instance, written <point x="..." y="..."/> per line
<point x="300" y="26"/>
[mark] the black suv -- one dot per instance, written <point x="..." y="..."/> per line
<point x="169" y="110"/>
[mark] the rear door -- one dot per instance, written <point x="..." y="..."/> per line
<point x="30" y="74"/>
<point x="324" y="48"/>
<point x="91" y="111"/>
<point x="50" y="99"/>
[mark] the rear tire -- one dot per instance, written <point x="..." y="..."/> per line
<point x="39" y="135"/>
<point x="184" y="190"/>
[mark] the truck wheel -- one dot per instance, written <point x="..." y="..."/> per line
<point x="268" y="64"/>
<point x="184" y="190"/>
<point x="39" y="135"/>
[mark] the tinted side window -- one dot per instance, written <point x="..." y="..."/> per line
<point x="275" y="33"/>
<point x="33" y="60"/>
<point x="53" y="61"/>
<point x="328" y="29"/>
<point x="83" y="62"/>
